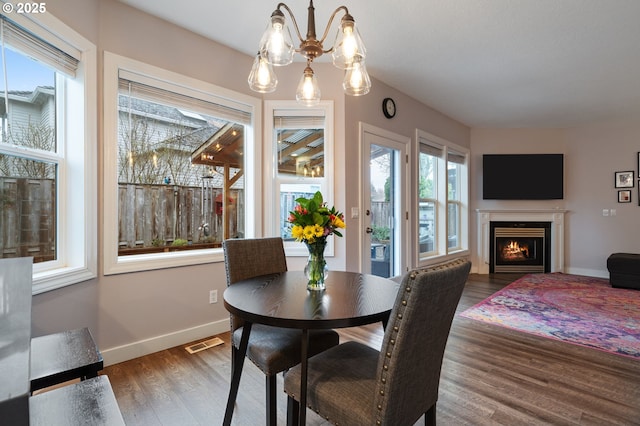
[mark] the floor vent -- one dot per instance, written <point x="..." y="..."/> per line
<point x="197" y="347"/>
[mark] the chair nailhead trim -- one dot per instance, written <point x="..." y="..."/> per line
<point x="392" y="342"/>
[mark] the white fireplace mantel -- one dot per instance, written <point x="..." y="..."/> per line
<point x="555" y="216"/>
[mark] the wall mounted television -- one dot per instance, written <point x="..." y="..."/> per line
<point x="523" y="176"/>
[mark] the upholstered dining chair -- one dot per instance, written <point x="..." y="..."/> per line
<point x="271" y="349"/>
<point x="354" y="384"/>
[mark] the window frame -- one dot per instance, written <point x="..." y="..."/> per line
<point x="441" y="251"/>
<point x="432" y="200"/>
<point x="113" y="64"/>
<point x="461" y="206"/>
<point x="76" y="157"/>
<point x="272" y="192"/>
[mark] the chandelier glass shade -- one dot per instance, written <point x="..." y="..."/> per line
<point x="262" y="78"/>
<point x="277" y="49"/>
<point x="308" y="93"/>
<point x="356" y="80"/>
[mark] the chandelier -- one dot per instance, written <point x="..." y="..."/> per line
<point x="277" y="49"/>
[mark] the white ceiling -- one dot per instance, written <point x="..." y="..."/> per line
<point x="486" y="63"/>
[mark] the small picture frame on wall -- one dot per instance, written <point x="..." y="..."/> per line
<point x="638" y="166"/>
<point x="624" y="179"/>
<point x="624" y="196"/>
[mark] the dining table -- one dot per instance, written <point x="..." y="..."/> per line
<point x="350" y="299"/>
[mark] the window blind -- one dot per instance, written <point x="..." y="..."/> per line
<point x="430" y="149"/>
<point x="31" y="45"/>
<point x="456" y="157"/>
<point x="163" y="96"/>
<point x="289" y="122"/>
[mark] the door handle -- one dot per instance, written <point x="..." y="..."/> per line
<point x="369" y="230"/>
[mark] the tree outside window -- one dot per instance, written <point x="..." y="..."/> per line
<point x="180" y="180"/>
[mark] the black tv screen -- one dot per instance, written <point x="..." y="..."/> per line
<point x="522" y="176"/>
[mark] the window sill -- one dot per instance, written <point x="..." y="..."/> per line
<point x="62" y="277"/>
<point x="162" y="260"/>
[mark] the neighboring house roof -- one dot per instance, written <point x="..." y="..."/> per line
<point x="161" y="112"/>
<point x="38" y="96"/>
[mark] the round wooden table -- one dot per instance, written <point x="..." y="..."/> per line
<point x="282" y="300"/>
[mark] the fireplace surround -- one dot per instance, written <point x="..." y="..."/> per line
<point x="554" y="239"/>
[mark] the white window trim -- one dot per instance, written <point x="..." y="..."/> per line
<point x="272" y="193"/>
<point x="114" y="264"/>
<point x="441" y="252"/>
<point x="77" y="214"/>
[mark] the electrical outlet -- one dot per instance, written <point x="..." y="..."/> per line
<point x="213" y="296"/>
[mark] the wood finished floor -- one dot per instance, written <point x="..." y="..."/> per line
<point x="490" y="376"/>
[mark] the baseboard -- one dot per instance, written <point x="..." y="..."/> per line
<point x="148" y="346"/>
<point x="588" y="272"/>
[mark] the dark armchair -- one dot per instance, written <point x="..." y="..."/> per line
<point x="271" y="349"/>
<point x="354" y="384"/>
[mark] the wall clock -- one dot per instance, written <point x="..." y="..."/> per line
<point x="388" y="107"/>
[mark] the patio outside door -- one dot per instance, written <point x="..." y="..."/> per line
<point x="385" y="157"/>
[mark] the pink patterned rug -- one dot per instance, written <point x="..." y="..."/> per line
<point x="575" y="309"/>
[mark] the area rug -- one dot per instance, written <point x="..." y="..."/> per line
<point x="575" y="309"/>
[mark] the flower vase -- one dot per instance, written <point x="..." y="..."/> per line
<point x="316" y="269"/>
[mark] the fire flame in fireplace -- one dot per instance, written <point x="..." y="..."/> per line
<point x="514" y="251"/>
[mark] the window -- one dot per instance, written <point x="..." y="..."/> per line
<point x="427" y="198"/>
<point x="47" y="157"/>
<point x="442" y="197"/>
<point x="302" y="150"/>
<point x="180" y="167"/>
<point x="456" y="199"/>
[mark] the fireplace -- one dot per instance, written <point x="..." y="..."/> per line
<point x="553" y="244"/>
<point x="520" y="247"/>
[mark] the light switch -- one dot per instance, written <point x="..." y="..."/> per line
<point x="613" y="212"/>
<point x="605" y="212"/>
<point x="355" y="212"/>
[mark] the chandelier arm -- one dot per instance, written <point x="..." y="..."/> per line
<point x="293" y="19"/>
<point x="326" y="30"/>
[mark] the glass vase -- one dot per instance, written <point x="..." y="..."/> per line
<point x="316" y="269"/>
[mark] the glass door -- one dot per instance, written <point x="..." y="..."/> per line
<point x="385" y="213"/>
